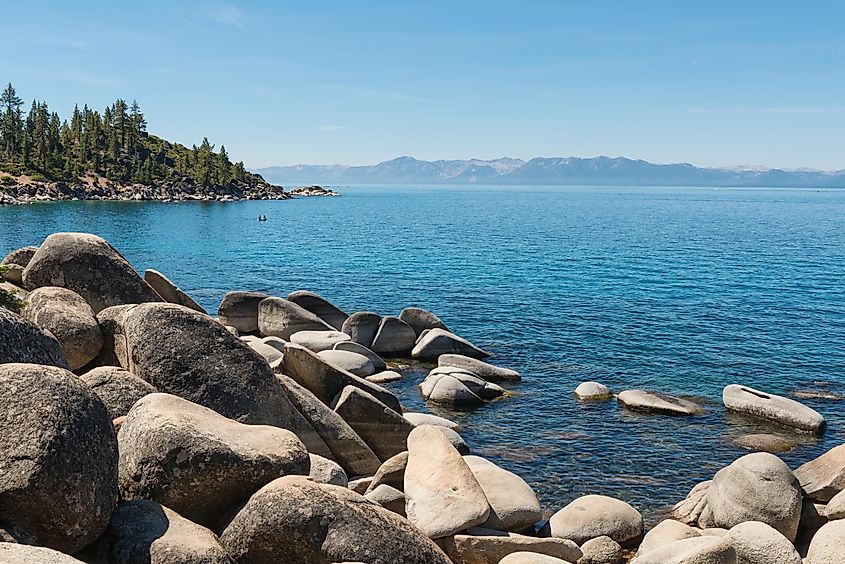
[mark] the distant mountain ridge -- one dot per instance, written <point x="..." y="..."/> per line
<point x="555" y="171"/>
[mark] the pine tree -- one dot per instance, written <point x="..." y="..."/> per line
<point x="10" y="132"/>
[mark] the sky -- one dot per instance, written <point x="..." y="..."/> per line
<point x="714" y="83"/>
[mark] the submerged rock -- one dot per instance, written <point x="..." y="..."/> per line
<point x="764" y="442"/>
<point x="592" y="391"/>
<point x="640" y="400"/>
<point x="781" y="410"/>
<point x="295" y="520"/>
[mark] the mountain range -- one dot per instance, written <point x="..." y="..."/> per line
<point x="555" y="171"/>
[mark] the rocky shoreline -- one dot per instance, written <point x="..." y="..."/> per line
<point x="176" y="191"/>
<point x="139" y="428"/>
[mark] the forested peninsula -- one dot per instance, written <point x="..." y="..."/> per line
<point x="110" y="155"/>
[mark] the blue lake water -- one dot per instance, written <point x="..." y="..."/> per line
<point x="670" y="289"/>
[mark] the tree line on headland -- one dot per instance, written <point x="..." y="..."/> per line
<point x="113" y="144"/>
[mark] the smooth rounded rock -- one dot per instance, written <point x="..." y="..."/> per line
<point x="113" y="351"/>
<point x="22" y="340"/>
<point x="438" y="342"/>
<point x="513" y="504"/>
<point x="592" y="391"/>
<point x="362" y="327"/>
<point x="836" y="507"/>
<point x="530" y="558"/>
<point x="665" y="532"/>
<point x="269" y="353"/>
<point x="240" y="310"/>
<point x="58" y="457"/>
<point x="144" y="531"/>
<point x="764" y="442"/>
<point x="385" y="377"/>
<point x="295" y="520"/>
<point x="168" y="291"/>
<point x="601" y="550"/>
<point x="594" y="516"/>
<point x="480" y="368"/>
<point x="12" y="553"/>
<point x="378" y="363"/>
<point x="828" y="544"/>
<point x="697" y="550"/>
<point x="758" y="543"/>
<point x="281" y="318"/>
<point x="393" y="338"/>
<point x="355" y="363"/>
<point x="89" y="266"/>
<point x="319" y="306"/>
<point x="70" y="319"/>
<point x="639" y="400"/>
<point x="778" y="409"/>
<point x="118" y="389"/>
<point x="755" y="487"/>
<point x="197" y="462"/>
<point x="428" y="419"/>
<point x="420" y="319"/>
<point x="443" y="496"/>
<point x="318" y="341"/>
<point x="391" y="473"/>
<point x="388" y="497"/>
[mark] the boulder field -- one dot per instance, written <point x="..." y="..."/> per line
<point x="138" y="428"/>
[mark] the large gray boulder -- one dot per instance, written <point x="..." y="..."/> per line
<point x="823" y="477"/>
<point x="240" y="310"/>
<point x="487" y="546"/>
<point x="755" y="487"/>
<point x="456" y="387"/>
<point x="319" y="306"/>
<point x="420" y="319"/>
<point x="777" y="409"/>
<point x="344" y="444"/>
<point x="384" y="430"/>
<point x="362" y="327"/>
<point x="513" y="504"/>
<point x="639" y="400"/>
<point x="594" y="516"/>
<point x="141" y="530"/>
<point x="394" y="338"/>
<point x="442" y="495"/>
<point x="19" y="257"/>
<point x="117" y="388"/>
<point x="58" y="457"/>
<point x="758" y="543"/>
<point x="281" y="318"/>
<point x="12" y="553"/>
<point x="22" y="340"/>
<point x="828" y="544"/>
<point x="480" y="368"/>
<point x="325" y="471"/>
<point x="296" y="520"/>
<point x="438" y="341"/>
<point x="70" y="319"/>
<point x="197" y="462"/>
<point x="185" y="353"/>
<point x="89" y="266"/>
<point x="168" y="291"/>
<point x="325" y="380"/>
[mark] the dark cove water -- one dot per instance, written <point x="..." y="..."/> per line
<point x="674" y="290"/>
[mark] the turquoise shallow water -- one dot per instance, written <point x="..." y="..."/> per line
<point x="676" y="290"/>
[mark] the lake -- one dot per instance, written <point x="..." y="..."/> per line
<point x="679" y="290"/>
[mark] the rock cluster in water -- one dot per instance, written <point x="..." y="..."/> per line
<point x="137" y="428"/>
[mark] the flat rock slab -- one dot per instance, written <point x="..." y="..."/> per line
<point x="778" y="409"/>
<point x="823" y="477"/>
<point x="442" y="495"/>
<point x="487" y="546"/>
<point x="639" y="400"/>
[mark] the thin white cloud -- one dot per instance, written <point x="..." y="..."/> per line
<point x="229" y="15"/>
<point x="766" y="110"/>
<point x="330" y="127"/>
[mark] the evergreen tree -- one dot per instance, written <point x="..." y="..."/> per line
<point x="10" y="133"/>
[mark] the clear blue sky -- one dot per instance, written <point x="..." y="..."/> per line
<point x="712" y="83"/>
